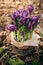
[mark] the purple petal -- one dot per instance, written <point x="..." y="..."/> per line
<point x="34" y="21"/>
<point x="23" y="13"/>
<point x="12" y="16"/>
<point x="29" y="26"/>
<point x="30" y="8"/>
<point x="22" y="10"/>
<point x="22" y="21"/>
<point x="12" y="27"/>
<point x="17" y="13"/>
<point x="27" y="20"/>
<point x="35" y="18"/>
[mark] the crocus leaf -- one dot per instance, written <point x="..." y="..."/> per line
<point x="30" y="34"/>
<point x="18" y="35"/>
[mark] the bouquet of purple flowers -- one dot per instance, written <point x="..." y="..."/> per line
<point x="23" y="24"/>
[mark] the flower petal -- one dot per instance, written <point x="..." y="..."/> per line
<point x="11" y="27"/>
<point x="22" y="21"/>
<point x="30" y="8"/>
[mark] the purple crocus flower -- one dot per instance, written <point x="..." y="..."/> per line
<point x="30" y="8"/>
<point x="35" y="18"/>
<point x="34" y="24"/>
<point x="12" y="27"/>
<point x="17" y="13"/>
<point x="22" y="21"/>
<point x="35" y="21"/>
<point x="22" y="10"/>
<point x="23" y="13"/>
<point x="27" y="20"/>
<point x="22" y="34"/>
<point x="12" y="16"/>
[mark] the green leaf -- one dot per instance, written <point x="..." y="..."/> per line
<point x="30" y="35"/>
<point x="11" y="62"/>
<point x="23" y="28"/>
<point x="25" y="35"/>
<point x="2" y="49"/>
<point x="18" y="35"/>
<point x="17" y="22"/>
<point x="14" y="34"/>
<point x="35" y="62"/>
<point x="15" y="61"/>
<point x="19" y="62"/>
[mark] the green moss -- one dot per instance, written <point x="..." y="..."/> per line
<point x="15" y="61"/>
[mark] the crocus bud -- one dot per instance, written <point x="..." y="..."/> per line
<point x="22" y="21"/>
<point x="12" y="27"/>
<point x="12" y="16"/>
<point x="35" y="18"/>
<point x="23" y="13"/>
<point x="30" y="8"/>
<point x="17" y="13"/>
